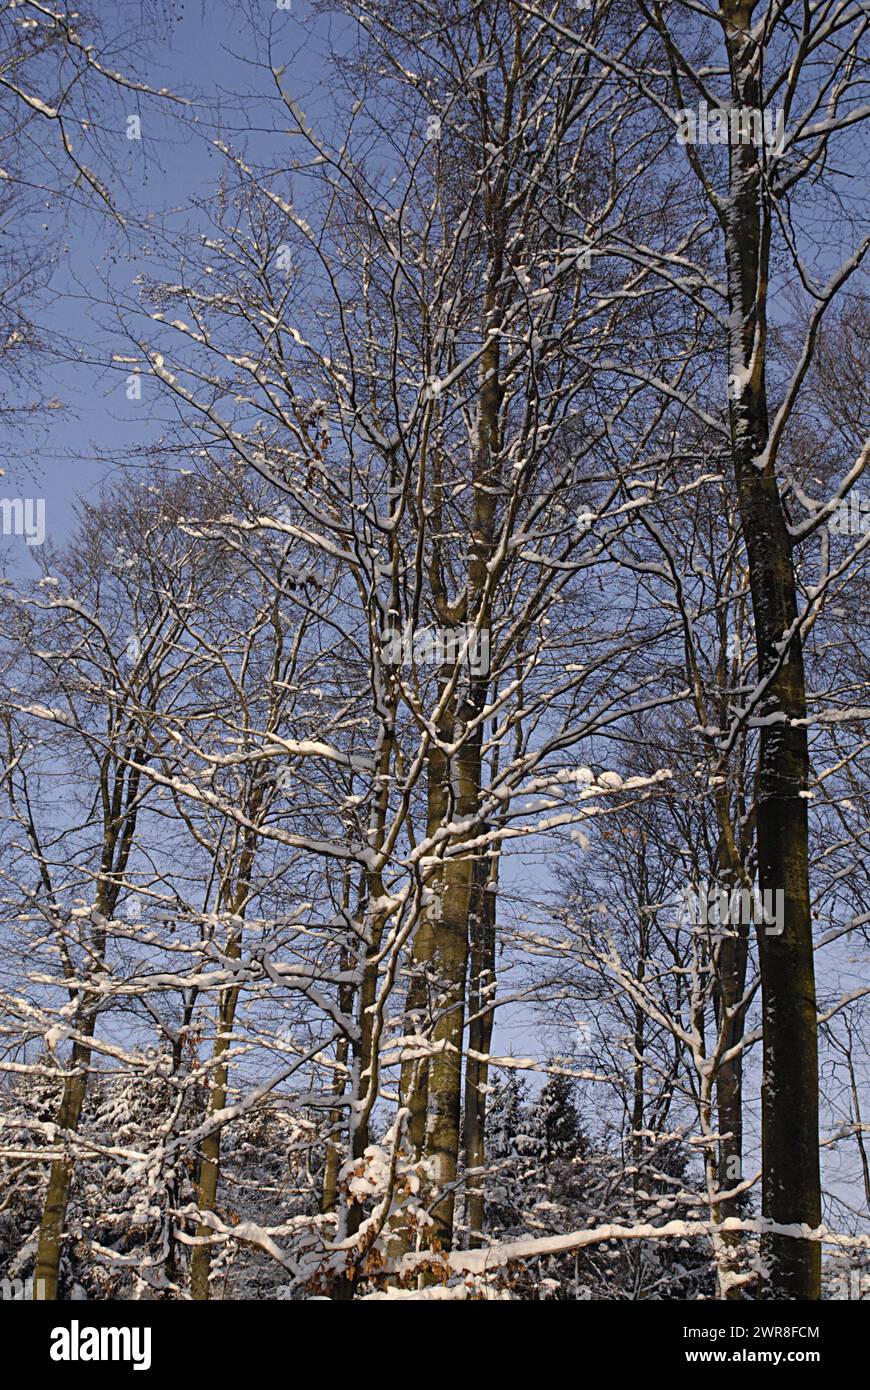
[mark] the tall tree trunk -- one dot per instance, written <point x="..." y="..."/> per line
<point x="790" y="1140"/>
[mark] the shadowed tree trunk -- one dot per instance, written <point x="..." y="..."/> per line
<point x="731" y="961"/>
<point x="790" y="1140"/>
<point x="210" y="1150"/>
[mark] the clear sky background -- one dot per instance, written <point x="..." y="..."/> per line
<point x="204" y="52"/>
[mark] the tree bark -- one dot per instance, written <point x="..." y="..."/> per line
<point x="790" y="1139"/>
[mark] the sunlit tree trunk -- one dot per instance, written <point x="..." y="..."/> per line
<point x="210" y="1149"/>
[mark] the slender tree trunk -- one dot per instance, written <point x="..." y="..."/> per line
<point x="638" y="1104"/>
<point x="209" y="1165"/>
<point x="329" y="1195"/>
<point x="481" y="982"/>
<point x="364" y="1091"/>
<point x="731" y="983"/>
<point x="365" y="1071"/>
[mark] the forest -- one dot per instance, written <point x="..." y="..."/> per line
<point x="434" y="710"/>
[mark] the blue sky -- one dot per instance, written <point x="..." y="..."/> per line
<point x="206" y="55"/>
